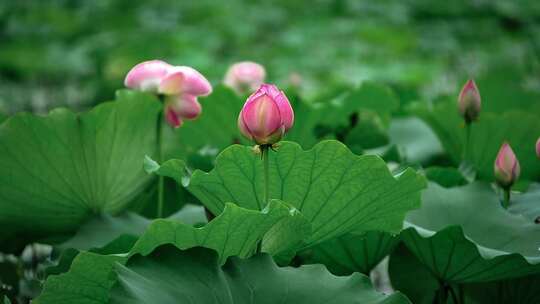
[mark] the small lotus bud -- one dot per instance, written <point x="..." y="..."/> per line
<point x="245" y="77"/>
<point x="506" y="166"/>
<point x="181" y="107"/>
<point x="469" y="102"/>
<point x="266" y="116"/>
<point x="538" y="148"/>
<point x="146" y="76"/>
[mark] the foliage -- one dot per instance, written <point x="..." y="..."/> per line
<point x="379" y="193"/>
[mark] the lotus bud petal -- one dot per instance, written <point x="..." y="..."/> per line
<point x="146" y="76"/>
<point x="469" y="102"/>
<point x="538" y="148"/>
<point x="266" y="116"/>
<point x="245" y="77"/>
<point x="185" y="106"/>
<point x="506" y="167"/>
<point x="172" y="118"/>
<point x="184" y="80"/>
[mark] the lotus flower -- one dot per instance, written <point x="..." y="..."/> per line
<point x="469" y="102"/>
<point x="266" y="116"/>
<point x="146" y="76"/>
<point x="180" y="85"/>
<point x="506" y="166"/>
<point x="245" y="77"/>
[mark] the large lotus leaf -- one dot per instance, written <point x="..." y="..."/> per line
<point x="104" y="229"/>
<point x="372" y="96"/>
<point x="335" y="190"/>
<point x="522" y="290"/>
<point x="416" y="140"/>
<point x="368" y="133"/>
<point x="312" y="119"/>
<point x="351" y="252"/>
<point x="235" y="232"/>
<point x="107" y="234"/>
<point x="503" y="88"/>
<point x="281" y="239"/>
<point x="446" y="176"/>
<point x="520" y="129"/>
<point x="169" y="275"/>
<point x="59" y="169"/>
<point x="528" y="203"/>
<point x="464" y="235"/>
<point x="409" y="276"/>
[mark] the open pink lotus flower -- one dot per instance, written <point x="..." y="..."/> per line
<point x="506" y="166"/>
<point x="245" y="77"/>
<point x="266" y="116"/>
<point x="469" y="101"/>
<point x="181" y="85"/>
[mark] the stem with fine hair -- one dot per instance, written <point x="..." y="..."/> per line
<point x="266" y="164"/>
<point x="265" y="149"/>
<point x="467" y="142"/>
<point x="506" y="200"/>
<point x="159" y="139"/>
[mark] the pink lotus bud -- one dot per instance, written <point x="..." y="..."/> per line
<point x="245" y="77"/>
<point x="267" y="115"/>
<point x="538" y="147"/>
<point x="172" y="118"/>
<point x="506" y="166"/>
<point x="469" y="102"/>
<point x="180" y="108"/>
<point x="184" y="80"/>
<point x="146" y="76"/>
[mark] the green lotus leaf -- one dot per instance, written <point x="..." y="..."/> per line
<point x="464" y="235"/>
<point x="173" y="168"/>
<point x="59" y="169"/>
<point x="351" y="252"/>
<point x="169" y="275"/>
<point x="314" y="121"/>
<point x="104" y="229"/>
<point x="336" y="191"/>
<point x="410" y="276"/>
<point x="528" y="203"/>
<point x="416" y="140"/>
<point x="520" y="129"/>
<point x="235" y="232"/>
<point x="446" y="176"/>
<point x="419" y="284"/>
<point x="522" y="290"/>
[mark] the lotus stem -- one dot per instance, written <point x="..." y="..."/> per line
<point x="467" y="141"/>
<point x="266" y="168"/>
<point x="506" y="200"/>
<point x="159" y="138"/>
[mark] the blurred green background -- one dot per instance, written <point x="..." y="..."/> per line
<point x="76" y="53"/>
